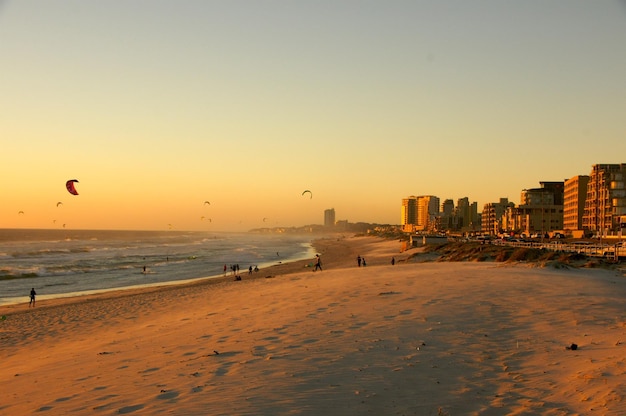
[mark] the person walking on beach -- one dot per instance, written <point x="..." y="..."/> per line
<point x="318" y="262"/>
<point x="393" y="261"/>
<point x="358" y="260"/>
<point x="32" y="298"/>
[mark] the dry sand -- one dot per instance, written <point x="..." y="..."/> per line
<point x="409" y="339"/>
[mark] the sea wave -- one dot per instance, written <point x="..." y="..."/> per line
<point x="101" y="260"/>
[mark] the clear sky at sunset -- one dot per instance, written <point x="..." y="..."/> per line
<point x="158" y="106"/>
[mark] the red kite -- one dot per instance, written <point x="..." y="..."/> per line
<point x="70" y="186"/>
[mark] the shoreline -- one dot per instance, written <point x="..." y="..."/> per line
<point x="10" y="303"/>
<point x="334" y="250"/>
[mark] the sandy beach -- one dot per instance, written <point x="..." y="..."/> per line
<point x="412" y="338"/>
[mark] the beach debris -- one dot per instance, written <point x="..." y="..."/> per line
<point x="388" y="293"/>
<point x="572" y="347"/>
<point x="310" y="193"/>
<point x="3" y="318"/>
<point x="216" y="353"/>
<point x="70" y="186"/>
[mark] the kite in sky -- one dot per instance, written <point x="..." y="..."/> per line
<point x="310" y="193"/>
<point x="207" y="203"/>
<point x="70" y="186"/>
<point x="59" y="203"/>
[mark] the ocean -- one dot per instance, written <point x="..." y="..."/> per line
<point x="61" y="263"/>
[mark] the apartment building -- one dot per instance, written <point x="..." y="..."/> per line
<point x="408" y="214"/>
<point x="541" y="209"/>
<point x="419" y="213"/>
<point x="605" y="203"/>
<point x="574" y="196"/>
<point x="493" y="212"/>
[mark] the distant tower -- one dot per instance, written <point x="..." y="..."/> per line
<point x="329" y="217"/>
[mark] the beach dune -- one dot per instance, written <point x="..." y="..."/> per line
<point x="408" y="339"/>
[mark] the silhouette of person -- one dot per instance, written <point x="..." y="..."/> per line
<point x="393" y="261"/>
<point x="32" y="298"/>
<point x="358" y="260"/>
<point x="318" y="263"/>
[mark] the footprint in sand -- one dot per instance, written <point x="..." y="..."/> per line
<point x="271" y="338"/>
<point x="62" y="399"/>
<point x="168" y="395"/>
<point x="129" y="409"/>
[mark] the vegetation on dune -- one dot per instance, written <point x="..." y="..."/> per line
<point x="454" y="251"/>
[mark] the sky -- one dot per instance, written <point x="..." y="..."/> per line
<point x="158" y="106"/>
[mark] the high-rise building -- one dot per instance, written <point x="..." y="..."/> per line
<point x="448" y="220"/>
<point x="467" y="214"/>
<point x="575" y="193"/>
<point x="329" y="217"/>
<point x="408" y="214"/>
<point x="492" y="215"/>
<point x="447" y="208"/>
<point x="418" y="213"/>
<point x="605" y="204"/>
<point x="427" y="211"/>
